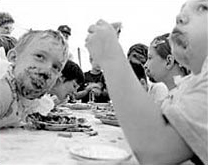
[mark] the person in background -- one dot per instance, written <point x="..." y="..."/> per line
<point x="137" y="53"/>
<point x="137" y="56"/>
<point x="6" y="23"/>
<point x="177" y="130"/>
<point x="6" y="28"/>
<point x="37" y="61"/>
<point x="72" y="77"/>
<point x="161" y="64"/>
<point x="65" y="30"/>
<point x="7" y="42"/>
<point x="140" y="73"/>
<point x="94" y="83"/>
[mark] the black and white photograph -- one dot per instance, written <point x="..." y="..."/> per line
<point x="104" y="82"/>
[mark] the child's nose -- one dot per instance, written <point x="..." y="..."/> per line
<point x="182" y="19"/>
<point x="145" y="66"/>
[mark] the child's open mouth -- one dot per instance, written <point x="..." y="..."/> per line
<point x="38" y="78"/>
<point x="38" y="83"/>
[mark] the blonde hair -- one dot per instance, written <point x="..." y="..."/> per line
<point x="31" y="34"/>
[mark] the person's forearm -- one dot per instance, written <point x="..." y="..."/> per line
<point x="81" y="94"/>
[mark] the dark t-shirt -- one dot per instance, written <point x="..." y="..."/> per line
<point x="96" y="78"/>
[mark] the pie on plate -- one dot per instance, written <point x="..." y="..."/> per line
<point x="57" y="122"/>
<point x="53" y="127"/>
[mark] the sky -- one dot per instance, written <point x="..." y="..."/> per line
<point x="142" y="20"/>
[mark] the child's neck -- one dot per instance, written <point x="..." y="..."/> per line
<point x="169" y="80"/>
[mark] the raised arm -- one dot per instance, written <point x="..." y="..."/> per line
<point x="152" y="140"/>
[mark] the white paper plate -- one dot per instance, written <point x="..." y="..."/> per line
<point x="99" y="152"/>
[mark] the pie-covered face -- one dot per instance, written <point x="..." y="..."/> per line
<point x="38" y="66"/>
<point x="189" y="39"/>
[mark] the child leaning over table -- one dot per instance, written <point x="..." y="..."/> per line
<point x="37" y="61"/>
<point x="72" y="77"/>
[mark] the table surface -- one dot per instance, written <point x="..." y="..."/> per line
<point x="38" y="147"/>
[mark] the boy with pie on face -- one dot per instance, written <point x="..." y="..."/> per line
<point x="37" y="61"/>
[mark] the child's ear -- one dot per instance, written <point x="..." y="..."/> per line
<point x="170" y="61"/>
<point x="12" y="56"/>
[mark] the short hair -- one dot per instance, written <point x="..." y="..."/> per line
<point x="65" y="29"/>
<point x="72" y="71"/>
<point x="163" y="49"/>
<point x="31" y="34"/>
<point x="5" y="18"/>
<point x="8" y="42"/>
<point x="140" y="49"/>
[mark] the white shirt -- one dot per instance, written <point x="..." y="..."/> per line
<point x="187" y="112"/>
<point x="158" y="91"/>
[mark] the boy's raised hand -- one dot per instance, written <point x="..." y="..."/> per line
<point x="102" y="41"/>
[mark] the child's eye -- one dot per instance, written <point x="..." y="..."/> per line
<point x="202" y="8"/>
<point x="39" y="56"/>
<point x="57" y="68"/>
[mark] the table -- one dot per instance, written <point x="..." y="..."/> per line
<point x="38" y="147"/>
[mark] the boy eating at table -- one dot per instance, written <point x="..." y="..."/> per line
<point x="176" y="131"/>
<point x="68" y="83"/>
<point x="37" y="61"/>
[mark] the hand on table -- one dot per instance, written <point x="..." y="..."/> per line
<point x="96" y="91"/>
<point x="90" y="86"/>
